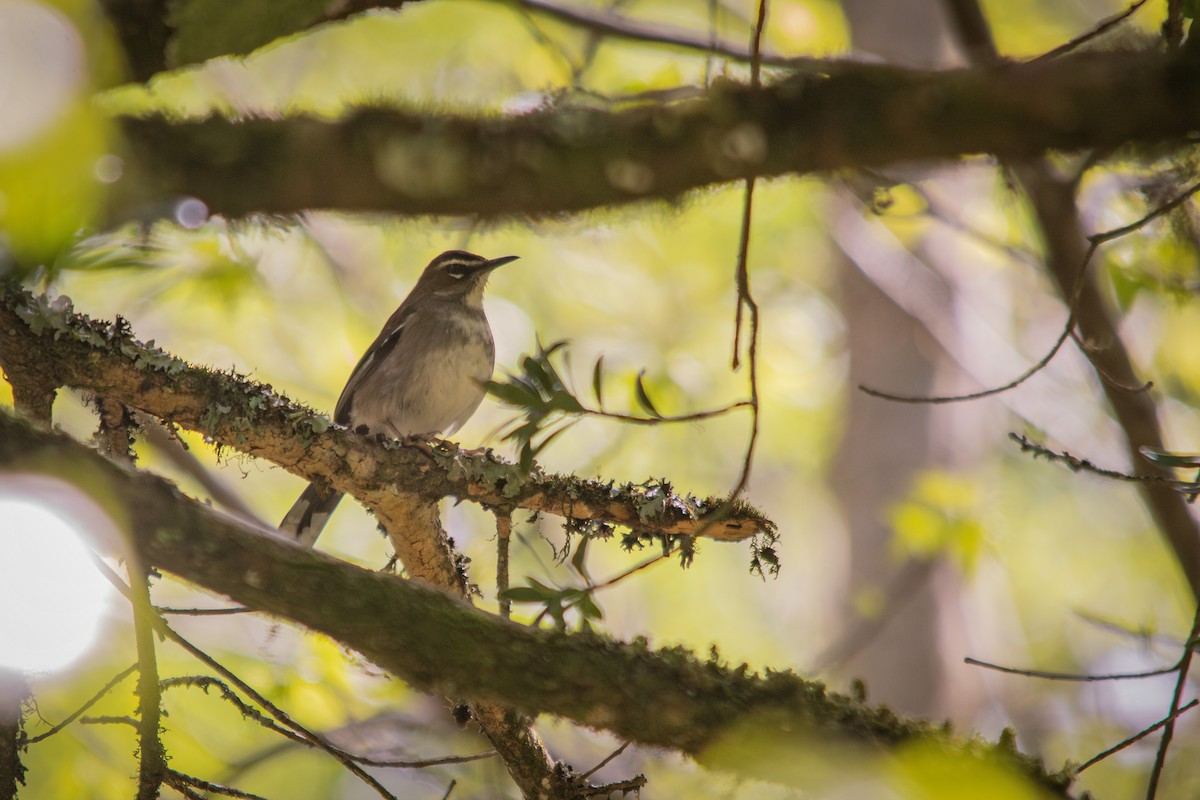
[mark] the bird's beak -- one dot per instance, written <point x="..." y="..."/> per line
<point x="501" y="261"/>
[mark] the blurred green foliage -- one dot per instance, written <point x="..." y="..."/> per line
<point x="647" y="288"/>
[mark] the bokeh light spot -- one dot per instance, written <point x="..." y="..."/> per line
<point x="52" y="598"/>
<point x="41" y="69"/>
<point x="191" y="213"/>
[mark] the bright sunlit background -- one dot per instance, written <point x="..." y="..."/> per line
<point x="53" y="600"/>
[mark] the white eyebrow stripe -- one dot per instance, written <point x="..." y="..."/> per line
<point x="458" y="262"/>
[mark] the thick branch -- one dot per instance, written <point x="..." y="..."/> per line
<point x="1056" y="213"/>
<point x="415" y="530"/>
<point x="664" y="698"/>
<point x="49" y="343"/>
<point x="1053" y="200"/>
<point x="568" y="159"/>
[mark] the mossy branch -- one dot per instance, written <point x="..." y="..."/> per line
<point x="660" y="698"/>
<point x="567" y="159"/>
<point x="52" y="345"/>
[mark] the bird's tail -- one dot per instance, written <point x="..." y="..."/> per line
<point x="308" y="515"/>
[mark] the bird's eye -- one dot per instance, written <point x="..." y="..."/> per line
<point x="457" y="272"/>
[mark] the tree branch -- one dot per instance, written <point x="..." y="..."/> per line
<point x="50" y="344"/>
<point x="664" y="698"/>
<point x="14" y="694"/>
<point x="152" y="761"/>
<point x="1067" y="254"/>
<point x="1058" y="218"/>
<point x="569" y="158"/>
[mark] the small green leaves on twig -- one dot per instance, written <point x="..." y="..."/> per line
<point x="764" y="557"/>
<point x="549" y="405"/>
<point x="545" y="401"/>
<point x="643" y="398"/>
<point x="557" y="602"/>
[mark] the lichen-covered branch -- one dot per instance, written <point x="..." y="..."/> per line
<point x="660" y="698"/>
<point x="50" y="344"/>
<point x="415" y="529"/>
<point x="566" y="159"/>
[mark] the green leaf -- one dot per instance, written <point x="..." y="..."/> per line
<point x="587" y="606"/>
<point x="514" y="393"/>
<point x="564" y="401"/>
<point x="525" y="459"/>
<point x="555" y="610"/>
<point x="598" y="382"/>
<point x="538" y="375"/>
<point x="579" y="560"/>
<point x="643" y="398"/>
<point x="1170" y="460"/>
<point x="524" y="594"/>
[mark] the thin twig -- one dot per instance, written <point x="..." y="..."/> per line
<point x="313" y="739"/>
<point x="745" y="298"/>
<point x="634" y="784"/>
<point x="425" y="762"/>
<point x="503" y="545"/>
<point x="204" y="612"/>
<point x="1066" y="676"/>
<point x="1102" y="27"/>
<point x="152" y="764"/>
<point x="120" y="676"/>
<point x="1146" y="219"/>
<point x="1136" y="737"/>
<point x="694" y="417"/>
<point x="175" y="779"/>
<point x="1164" y="744"/>
<point x="1094" y="242"/>
<point x="604" y="762"/>
<point x="624" y="28"/>
<point x="1076" y="464"/>
<point x="202" y="682"/>
<point x="1147" y="637"/>
<point x="633" y="570"/>
<point x="188" y="792"/>
<point x="1104" y="374"/>
<point x="109" y="719"/>
<point x="959" y="398"/>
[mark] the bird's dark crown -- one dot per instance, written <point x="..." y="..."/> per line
<point x="459" y="268"/>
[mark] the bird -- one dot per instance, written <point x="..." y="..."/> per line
<point x="422" y="376"/>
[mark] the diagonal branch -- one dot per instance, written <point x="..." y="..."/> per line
<point x="49" y="343"/>
<point x="1057" y="217"/>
